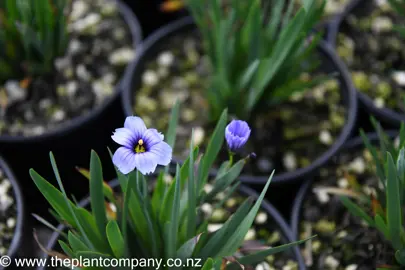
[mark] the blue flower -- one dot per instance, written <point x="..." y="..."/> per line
<point x="142" y="149"/>
<point x="237" y="133"/>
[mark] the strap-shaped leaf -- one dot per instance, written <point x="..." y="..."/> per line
<point x="76" y="243"/>
<point x="355" y="210"/>
<point x="115" y="239"/>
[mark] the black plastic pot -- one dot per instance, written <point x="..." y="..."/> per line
<point x="278" y="220"/>
<point x="384" y="115"/>
<point x="21" y="225"/>
<point x="305" y="188"/>
<point x="71" y="143"/>
<point x="331" y="63"/>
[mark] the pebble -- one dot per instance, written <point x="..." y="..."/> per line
<point x="79" y="9"/>
<point x="379" y="102"/>
<point x="83" y="73"/>
<point x="261" y="218"/>
<point x="45" y="103"/>
<point x="231" y="202"/>
<point x="263" y="266"/>
<point x="165" y="59"/>
<point x="28" y="115"/>
<point x="188" y="115"/>
<point x="11" y="222"/>
<point x="71" y="88"/>
<point x="331" y="262"/>
<point x="351" y="267"/>
<point x="322" y="196"/>
<point x="38" y="130"/>
<point x="58" y="115"/>
<point x="358" y="165"/>
<point x="109" y="78"/>
<point x="218" y="215"/>
<point x="198" y="136"/>
<point x="74" y="47"/>
<point x="163" y="72"/>
<point x="399" y="77"/>
<point x="381" y="24"/>
<point x="264" y="164"/>
<point x="122" y="56"/>
<point x="62" y="63"/>
<point x="108" y="8"/>
<point x="208" y="188"/>
<point x="250" y="235"/>
<point x="87" y="24"/>
<point x="150" y="78"/>
<point x="14" y="91"/>
<point x="290" y="161"/>
<point x="207" y="208"/>
<point x="325" y="137"/>
<point x="343" y="183"/>
<point x="214" y="227"/>
<point x="119" y="33"/>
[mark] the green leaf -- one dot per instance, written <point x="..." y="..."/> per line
<point x="76" y="243"/>
<point x="394" y="212"/>
<point x="208" y="264"/>
<point x="400" y="256"/>
<point x="115" y="239"/>
<point x="174" y="225"/>
<point x="187" y="249"/>
<point x="96" y="193"/>
<point x="107" y="190"/>
<point x="93" y="255"/>
<point x="357" y="211"/>
<point x="260" y="256"/>
<point x="235" y="240"/>
<point x="213" y="148"/>
<point x="381" y="226"/>
<point x="191" y="192"/>
<point x="68" y="251"/>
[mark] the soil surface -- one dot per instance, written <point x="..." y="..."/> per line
<point x="344" y="242"/>
<point x="8" y="213"/>
<point x="373" y="51"/>
<point x="285" y="137"/>
<point x="99" y="48"/>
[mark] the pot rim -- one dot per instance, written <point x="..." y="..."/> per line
<point x="65" y="128"/>
<point x="299" y="174"/>
<point x="384" y="114"/>
<point x="277" y="218"/>
<point x="19" y="201"/>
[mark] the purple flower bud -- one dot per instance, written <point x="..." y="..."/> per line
<point x="237" y="133"/>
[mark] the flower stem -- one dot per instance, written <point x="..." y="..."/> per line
<point x="231" y="159"/>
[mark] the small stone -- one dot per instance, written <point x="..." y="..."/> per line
<point x="102" y="89"/>
<point x="165" y="59"/>
<point x="87" y="24"/>
<point x="163" y="72"/>
<point x="62" y="63"/>
<point x="188" y="115"/>
<point x="264" y="164"/>
<point x="45" y="104"/>
<point x="263" y="266"/>
<point x="322" y="196"/>
<point x="291" y="265"/>
<point x="75" y="46"/>
<point x="198" y="136"/>
<point x="351" y="267"/>
<point x="214" y="227"/>
<point x="231" y="202"/>
<point x="331" y="262"/>
<point x="11" y="222"/>
<point x="343" y="183"/>
<point x="150" y="78"/>
<point x="379" y="102"/>
<point x="361" y="81"/>
<point x="399" y="77"/>
<point x="146" y="103"/>
<point x="261" y="218"/>
<point x="83" y="73"/>
<point x="71" y="88"/>
<point x="58" y="115"/>
<point x="122" y="56"/>
<point x="14" y="91"/>
<point x="28" y="115"/>
<point x="290" y="161"/>
<point x="220" y="196"/>
<point x="109" y="78"/>
<point x="207" y="208"/>
<point x="38" y="130"/>
<point x="274" y="238"/>
<point x="381" y="24"/>
<point x="316" y="246"/>
<point x="219" y="215"/>
<point x="79" y="9"/>
<point x="325" y="137"/>
<point x="208" y="188"/>
<point x="342" y="234"/>
<point x="325" y="226"/>
<point x="108" y="8"/>
<point x="250" y="235"/>
<point x="358" y="165"/>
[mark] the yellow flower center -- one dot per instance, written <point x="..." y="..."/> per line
<point x="139" y="148"/>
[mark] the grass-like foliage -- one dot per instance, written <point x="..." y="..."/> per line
<point x="387" y="207"/>
<point x="399" y="7"/>
<point x="32" y="35"/>
<point x="257" y="49"/>
<point x="161" y="222"/>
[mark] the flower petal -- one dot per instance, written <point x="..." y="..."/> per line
<point x="136" y="125"/>
<point x="163" y="152"/>
<point x="124" y="137"/>
<point x="146" y="162"/>
<point x="152" y="137"/>
<point x="124" y="160"/>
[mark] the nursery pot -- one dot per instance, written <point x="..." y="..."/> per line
<point x="72" y="141"/>
<point x="331" y="63"/>
<point x="21" y="221"/>
<point x="385" y="115"/>
<point x="277" y="222"/>
<point x="306" y="188"/>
